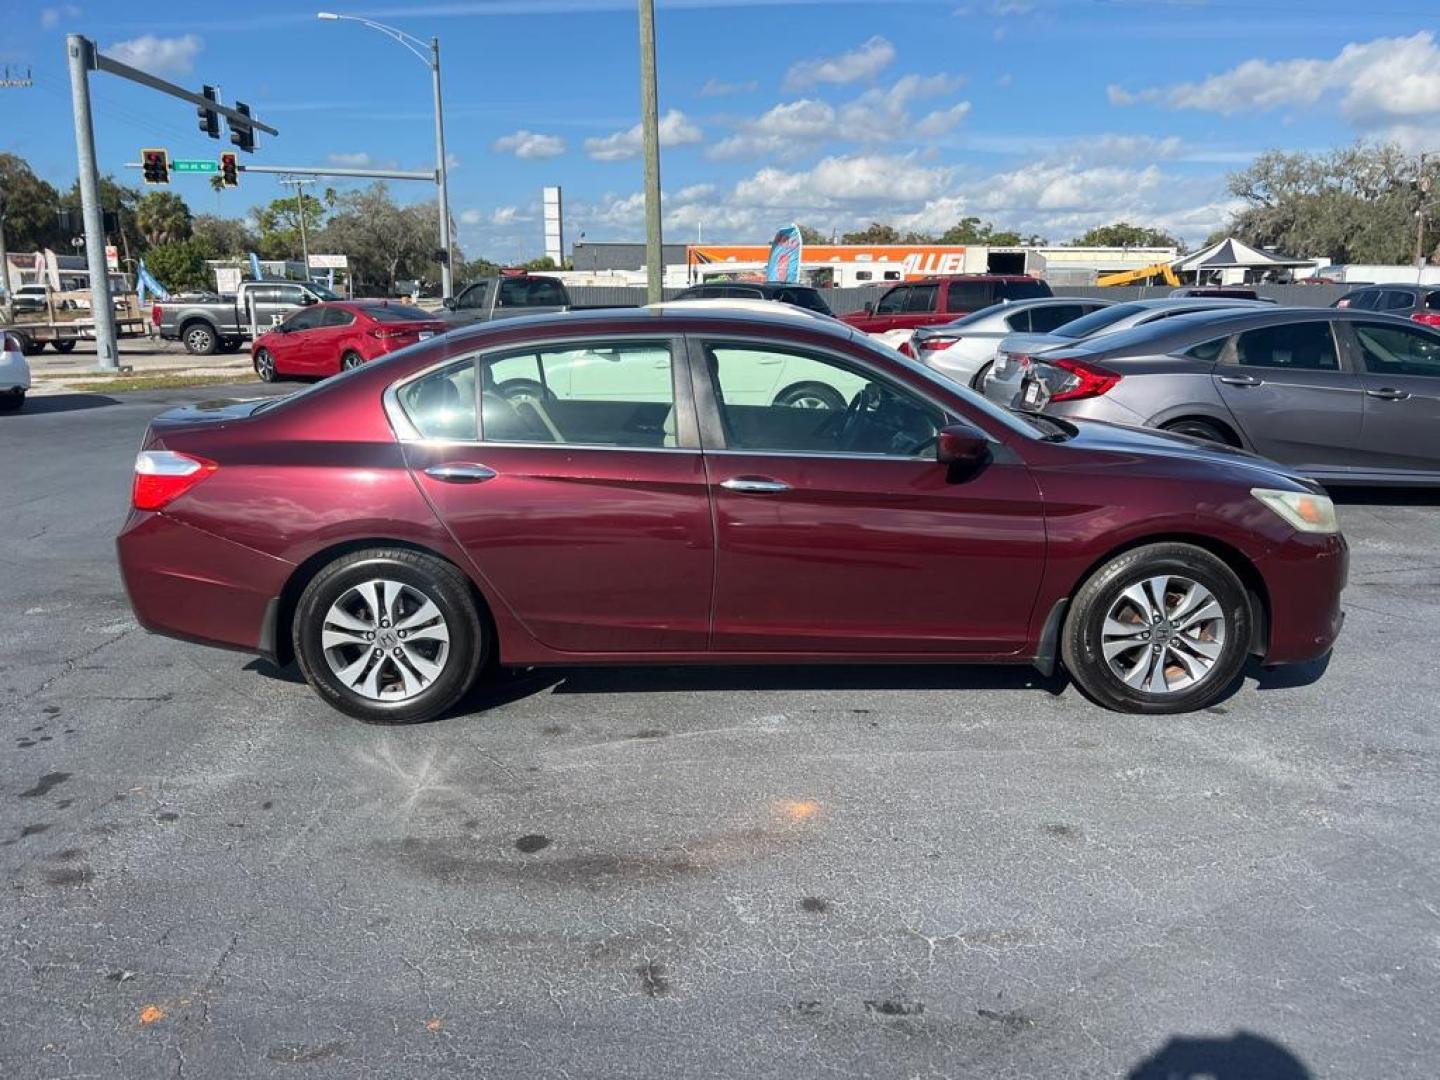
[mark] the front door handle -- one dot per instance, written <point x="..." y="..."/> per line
<point x="1240" y="380"/>
<point x="754" y="485"/>
<point x="461" y="472"/>
<point x="1388" y="393"/>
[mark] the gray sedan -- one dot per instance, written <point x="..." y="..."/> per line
<point x="1342" y="396"/>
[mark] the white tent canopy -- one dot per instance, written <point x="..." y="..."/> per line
<point x="1232" y="254"/>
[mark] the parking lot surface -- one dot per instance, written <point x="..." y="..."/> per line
<point x="723" y="873"/>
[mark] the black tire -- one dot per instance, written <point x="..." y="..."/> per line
<point x="978" y="382"/>
<point x="30" y="347"/>
<point x="350" y="361"/>
<point x="27" y="347"/>
<point x="264" y="363"/>
<point x="231" y="344"/>
<point x="200" y="338"/>
<point x="1082" y="638"/>
<point x="12" y="400"/>
<point x="424" y="575"/>
<point x="64" y="346"/>
<point x="811" y="395"/>
<point x="1201" y="429"/>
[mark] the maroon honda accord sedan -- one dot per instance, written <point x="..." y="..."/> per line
<point x="707" y="485"/>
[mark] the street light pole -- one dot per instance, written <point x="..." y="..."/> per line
<point x="107" y="355"/>
<point x="650" y="125"/>
<point x="430" y="56"/>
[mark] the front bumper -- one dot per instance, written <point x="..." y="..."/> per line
<point x="1304" y="578"/>
<point x="188" y="583"/>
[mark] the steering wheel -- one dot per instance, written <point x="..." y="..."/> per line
<point x="849" y="421"/>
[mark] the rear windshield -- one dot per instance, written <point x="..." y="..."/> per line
<point x="983" y="313"/>
<point x="1096" y="320"/>
<point x="808" y="299"/>
<point x="395" y="313"/>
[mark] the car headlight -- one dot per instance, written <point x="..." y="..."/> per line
<point x="1303" y="510"/>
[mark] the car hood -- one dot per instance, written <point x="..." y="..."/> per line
<point x="1104" y="437"/>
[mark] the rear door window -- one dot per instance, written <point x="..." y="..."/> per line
<point x="1432" y="302"/>
<point x="1297" y="346"/>
<point x="1053" y="316"/>
<point x="334" y="316"/>
<point x="970" y="295"/>
<point x="1396" y="300"/>
<point x="1365" y="299"/>
<point x="441" y="405"/>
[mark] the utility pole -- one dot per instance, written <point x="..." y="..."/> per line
<point x="1424" y="185"/>
<point x="4" y="266"/>
<point x="298" y="184"/>
<point x="447" y="276"/>
<point x="102" y="308"/>
<point x="650" y="125"/>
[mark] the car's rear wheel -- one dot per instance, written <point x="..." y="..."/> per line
<point x="978" y="382"/>
<point x="231" y="344"/>
<point x="12" y="400"/>
<point x="1158" y="629"/>
<point x="350" y="361"/>
<point x="811" y="395"/>
<point x="64" y="346"/>
<point x="1201" y="429"/>
<point x="389" y="635"/>
<point x="200" y="339"/>
<point x="265" y="365"/>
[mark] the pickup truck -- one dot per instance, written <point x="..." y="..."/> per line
<point x="505" y="297"/>
<point x="211" y="323"/>
<point x="939" y="300"/>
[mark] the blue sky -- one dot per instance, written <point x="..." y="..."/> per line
<point x="1043" y="115"/>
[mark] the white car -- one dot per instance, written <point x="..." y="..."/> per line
<point x="965" y="348"/>
<point x="14" y="374"/>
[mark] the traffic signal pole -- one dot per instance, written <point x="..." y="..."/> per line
<point x="102" y="307"/>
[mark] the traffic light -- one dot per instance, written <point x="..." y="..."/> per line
<point x="155" y="164"/>
<point x="229" y="169"/>
<point x="209" y="118"/>
<point x="241" y="134"/>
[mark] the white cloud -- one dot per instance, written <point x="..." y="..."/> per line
<point x="718" y="88"/>
<point x="676" y="129"/>
<point x="1002" y="8"/>
<point x="51" y="17"/>
<point x="850" y="178"/>
<point x="529" y="146"/>
<point x="865" y="62"/>
<point x="471" y="217"/>
<point x="1384" y="81"/>
<point x="879" y="115"/>
<point x="157" y="55"/>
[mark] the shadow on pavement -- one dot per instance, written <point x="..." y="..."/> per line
<point x="1384" y="496"/>
<point x="1287" y="676"/>
<point x="58" y="403"/>
<point x="1243" y="1056"/>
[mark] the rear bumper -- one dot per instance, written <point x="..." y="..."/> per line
<point x="1305" y="577"/>
<point x="187" y="583"/>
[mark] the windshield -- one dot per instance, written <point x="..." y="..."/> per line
<point x="395" y="313"/>
<point x="1096" y="320"/>
<point x="323" y="293"/>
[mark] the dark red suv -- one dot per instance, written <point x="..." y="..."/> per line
<point x="630" y="487"/>
<point x="942" y="299"/>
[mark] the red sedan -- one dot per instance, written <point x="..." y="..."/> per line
<point x="323" y="339"/>
<point x="623" y="488"/>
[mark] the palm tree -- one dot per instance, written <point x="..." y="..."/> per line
<point x="162" y="218"/>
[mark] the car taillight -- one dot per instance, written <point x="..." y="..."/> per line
<point x="1082" y="380"/>
<point x="383" y="334"/>
<point x="162" y="476"/>
<point x="935" y="343"/>
<point x="12" y="343"/>
<point x="155" y="315"/>
<point x="1426" y="318"/>
<point x="906" y="349"/>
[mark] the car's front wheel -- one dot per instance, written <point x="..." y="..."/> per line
<point x="265" y="365"/>
<point x="389" y="635"/>
<point x="200" y="339"/>
<point x="1159" y="629"/>
<point x="350" y="361"/>
<point x="810" y="395"/>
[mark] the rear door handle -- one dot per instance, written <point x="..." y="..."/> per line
<point x="1388" y="393"/>
<point x="754" y="485"/>
<point x="461" y="472"/>
<point x="1240" y="380"/>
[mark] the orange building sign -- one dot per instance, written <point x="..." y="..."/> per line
<point x="917" y="260"/>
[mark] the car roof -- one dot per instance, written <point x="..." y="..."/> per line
<point x="939" y="279"/>
<point x="1191" y="301"/>
<point x="1198" y="326"/>
<point x="1403" y="286"/>
<point x="763" y="286"/>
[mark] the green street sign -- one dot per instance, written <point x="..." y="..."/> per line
<point x="182" y="165"/>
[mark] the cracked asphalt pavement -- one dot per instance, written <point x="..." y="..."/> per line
<point x="848" y="872"/>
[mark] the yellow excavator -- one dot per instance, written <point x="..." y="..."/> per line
<point x="1140" y="276"/>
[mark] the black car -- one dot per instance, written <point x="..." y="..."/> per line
<point x="801" y="296"/>
<point x="1419" y="303"/>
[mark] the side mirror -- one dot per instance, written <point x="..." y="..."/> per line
<point x="869" y="307"/>
<point x="448" y="303"/>
<point x="307" y="298"/>
<point x="961" y="444"/>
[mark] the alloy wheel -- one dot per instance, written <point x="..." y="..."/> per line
<point x="385" y="640"/>
<point x="1163" y="634"/>
<point x="265" y="366"/>
<point x="349" y="362"/>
